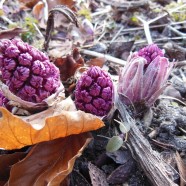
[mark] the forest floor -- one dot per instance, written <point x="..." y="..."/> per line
<point x="109" y="31"/>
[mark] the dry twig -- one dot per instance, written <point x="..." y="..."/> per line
<point x="147" y="23"/>
<point x="126" y="4"/>
<point x="158" y="172"/>
<point x="107" y="57"/>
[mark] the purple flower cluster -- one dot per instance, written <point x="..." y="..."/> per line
<point x="150" y="52"/>
<point x="27" y="71"/>
<point x="94" y="92"/>
<point x="3" y="100"/>
<point x="144" y="77"/>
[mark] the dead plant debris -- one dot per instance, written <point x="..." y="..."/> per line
<point x="77" y="35"/>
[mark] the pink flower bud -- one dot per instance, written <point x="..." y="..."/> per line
<point x="150" y="52"/>
<point x="88" y="27"/>
<point x="143" y="78"/>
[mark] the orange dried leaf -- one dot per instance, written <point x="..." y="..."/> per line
<point x="41" y="10"/>
<point x="38" y="10"/>
<point x="99" y="61"/>
<point x="58" y="121"/>
<point x="48" y="163"/>
<point x="29" y="3"/>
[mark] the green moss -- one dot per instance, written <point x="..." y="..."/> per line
<point x="85" y="13"/>
<point x="179" y="15"/>
<point x="137" y="37"/>
<point x="134" y="21"/>
<point x="1" y="12"/>
<point x="28" y="24"/>
<point x="111" y="25"/>
<point x="14" y="25"/>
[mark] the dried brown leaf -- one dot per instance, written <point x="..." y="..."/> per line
<point x="69" y="3"/>
<point x="174" y="51"/>
<point x="6" y="161"/>
<point x="121" y="50"/>
<point x="2" y="183"/>
<point x="51" y="4"/>
<point x="98" y="177"/>
<point x="58" y="48"/>
<point x="33" y="107"/>
<point x="29" y="3"/>
<point x="41" y="9"/>
<point x="58" y="121"/>
<point x="48" y="163"/>
<point x="69" y="64"/>
<point x="38" y="10"/>
<point x="122" y="173"/>
<point x="11" y="33"/>
<point x="120" y="156"/>
<point x="99" y="61"/>
<point x="64" y="12"/>
<point x="182" y="169"/>
<point x="171" y="91"/>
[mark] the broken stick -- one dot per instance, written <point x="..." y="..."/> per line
<point x="158" y="172"/>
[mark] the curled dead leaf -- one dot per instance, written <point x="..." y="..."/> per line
<point x="38" y="10"/>
<point x="99" y="61"/>
<point x="48" y="163"/>
<point x="59" y="49"/>
<point x="29" y="106"/>
<point x="11" y="33"/>
<point x="41" y="9"/>
<point x="97" y="176"/>
<point x="58" y="121"/>
<point x="6" y="161"/>
<point x="69" y="3"/>
<point x="29" y="3"/>
<point x="69" y="64"/>
<point x="51" y="3"/>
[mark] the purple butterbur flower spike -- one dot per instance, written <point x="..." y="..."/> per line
<point x="94" y="92"/>
<point x="150" y="52"/>
<point x="3" y="100"/>
<point x="27" y="71"/>
<point x="143" y="78"/>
